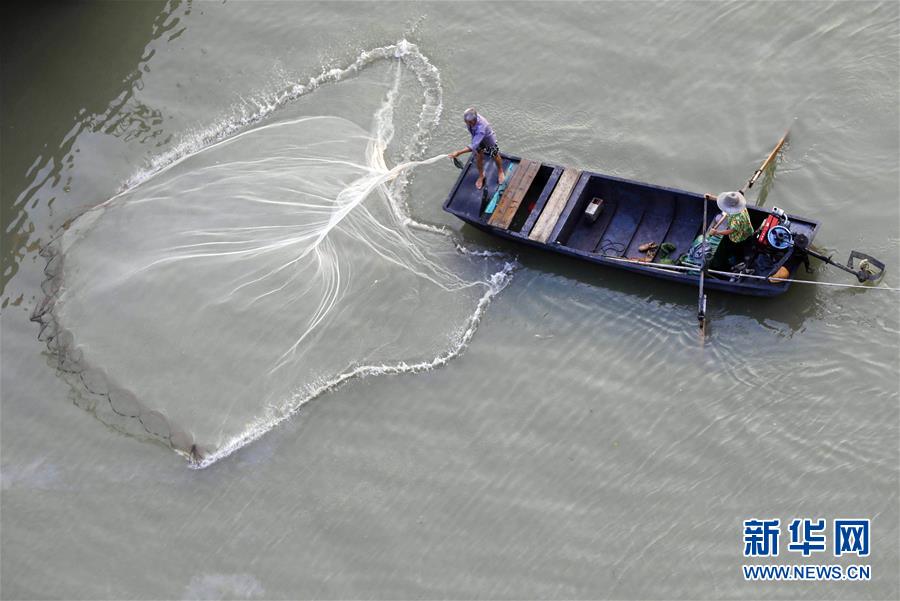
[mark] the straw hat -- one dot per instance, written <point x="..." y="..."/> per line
<point x="731" y="202"/>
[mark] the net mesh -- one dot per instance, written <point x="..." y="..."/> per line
<point x="209" y="301"/>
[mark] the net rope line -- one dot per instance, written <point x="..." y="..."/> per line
<point x="664" y="267"/>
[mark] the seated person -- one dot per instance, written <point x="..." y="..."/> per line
<point x="735" y="228"/>
<point x="736" y="217"/>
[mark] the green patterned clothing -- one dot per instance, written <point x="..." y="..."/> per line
<point x="741" y="226"/>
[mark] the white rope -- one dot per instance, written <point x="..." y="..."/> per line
<point x="663" y="266"/>
<point x="774" y="279"/>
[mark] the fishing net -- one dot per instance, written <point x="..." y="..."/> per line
<point x="208" y="303"/>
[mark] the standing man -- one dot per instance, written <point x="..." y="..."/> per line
<point x="484" y="142"/>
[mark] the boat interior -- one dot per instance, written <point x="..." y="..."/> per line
<point x="587" y="212"/>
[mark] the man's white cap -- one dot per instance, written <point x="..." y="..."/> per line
<point x="731" y="202"/>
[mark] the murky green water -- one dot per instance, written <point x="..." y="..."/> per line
<point x="551" y="432"/>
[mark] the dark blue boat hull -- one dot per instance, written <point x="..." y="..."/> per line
<point x="633" y="213"/>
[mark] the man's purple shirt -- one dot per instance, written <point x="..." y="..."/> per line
<point x="482" y="134"/>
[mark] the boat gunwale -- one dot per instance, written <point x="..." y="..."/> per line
<point x="760" y="288"/>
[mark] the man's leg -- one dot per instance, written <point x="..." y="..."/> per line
<point x="500" y="175"/>
<point x="479" y="162"/>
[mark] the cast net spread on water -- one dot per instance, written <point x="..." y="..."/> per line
<point x="249" y="274"/>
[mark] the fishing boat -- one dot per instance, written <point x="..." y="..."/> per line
<point x="623" y="224"/>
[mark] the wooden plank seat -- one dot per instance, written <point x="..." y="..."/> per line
<point x="515" y="191"/>
<point x="554" y="207"/>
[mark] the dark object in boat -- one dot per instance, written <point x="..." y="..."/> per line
<point x="545" y="207"/>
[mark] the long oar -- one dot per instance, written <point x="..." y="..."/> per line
<point x="765" y="165"/>
<point x="701" y="300"/>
